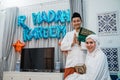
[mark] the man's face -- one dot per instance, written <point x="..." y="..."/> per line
<point x="76" y="22"/>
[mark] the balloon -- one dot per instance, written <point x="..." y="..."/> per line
<point x="62" y="16"/>
<point x="34" y="34"/>
<point x="18" y="46"/>
<point x="37" y="33"/>
<point x="51" y="16"/>
<point x="68" y="15"/>
<point x="25" y="26"/>
<point x="44" y="17"/>
<point x="21" y="20"/>
<point x="53" y="32"/>
<point x="37" y="19"/>
<point x="65" y="16"/>
<point x="26" y="35"/>
<point x="45" y="32"/>
<point x="58" y="16"/>
<point x="34" y="18"/>
<point x="61" y="30"/>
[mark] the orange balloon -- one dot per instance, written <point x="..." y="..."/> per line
<point x="18" y="46"/>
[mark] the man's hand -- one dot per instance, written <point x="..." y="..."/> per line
<point x="75" y="40"/>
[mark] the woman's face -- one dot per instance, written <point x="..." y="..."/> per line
<point x="76" y="22"/>
<point x="90" y="45"/>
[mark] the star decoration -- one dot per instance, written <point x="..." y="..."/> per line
<point x="18" y="46"/>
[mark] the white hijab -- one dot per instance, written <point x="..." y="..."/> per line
<point x="97" y="42"/>
<point x="95" y="38"/>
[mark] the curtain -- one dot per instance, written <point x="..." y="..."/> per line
<point x="2" y="23"/>
<point x="77" y="6"/>
<point x="8" y="54"/>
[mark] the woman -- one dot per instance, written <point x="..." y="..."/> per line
<point x="96" y="62"/>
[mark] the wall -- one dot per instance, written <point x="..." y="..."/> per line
<point x="20" y="3"/>
<point x="94" y="7"/>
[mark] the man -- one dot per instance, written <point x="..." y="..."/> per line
<point x="75" y="49"/>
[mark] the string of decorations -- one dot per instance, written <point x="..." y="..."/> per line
<point x="59" y="18"/>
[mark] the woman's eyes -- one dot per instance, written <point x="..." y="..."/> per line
<point x="89" y="42"/>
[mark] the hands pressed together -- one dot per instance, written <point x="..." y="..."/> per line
<point x="75" y="40"/>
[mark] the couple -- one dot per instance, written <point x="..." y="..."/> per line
<point x="95" y="60"/>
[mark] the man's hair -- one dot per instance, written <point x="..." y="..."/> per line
<point x="75" y="14"/>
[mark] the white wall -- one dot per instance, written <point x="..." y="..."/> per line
<point x="19" y="3"/>
<point x="94" y="7"/>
